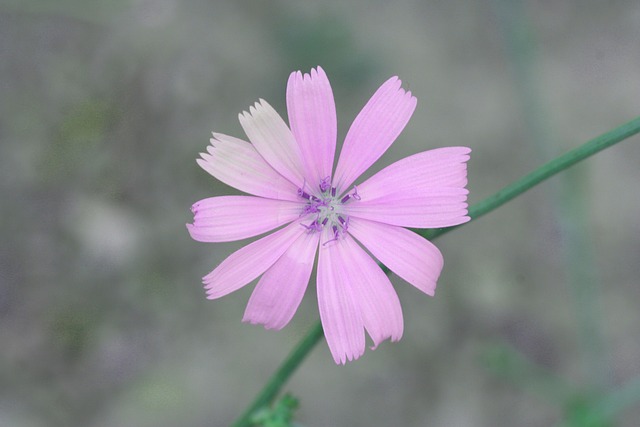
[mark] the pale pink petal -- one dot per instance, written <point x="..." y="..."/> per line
<point x="271" y="136"/>
<point x="375" y="128"/>
<point x="425" y="190"/>
<point x="354" y="293"/>
<point x="237" y="163"/>
<point x="249" y="262"/>
<point x="420" y="173"/>
<point x="341" y="318"/>
<point x="410" y="256"/>
<point x="277" y="296"/>
<point x="440" y="208"/>
<point x="228" y="218"/>
<point x="371" y="289"/>
<point x="312" y="117"/>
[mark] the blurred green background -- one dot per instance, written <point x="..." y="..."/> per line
<point x="104" y="107"/>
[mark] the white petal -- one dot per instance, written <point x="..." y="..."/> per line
<point x="274" y="141"/>
<point x="237" y="163"/>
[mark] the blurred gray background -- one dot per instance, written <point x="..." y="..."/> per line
<point x="104" y="107"/>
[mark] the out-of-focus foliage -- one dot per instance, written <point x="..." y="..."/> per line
<point x="281" y="415"/>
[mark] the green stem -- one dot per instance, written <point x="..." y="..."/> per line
<point x="300" y="352"/>
<point x="277" y="381"/>
<point x="544" y="172"/>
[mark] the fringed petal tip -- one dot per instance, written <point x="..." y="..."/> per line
<point x="374" y="129"/>
<point x="266" y="326"/>
<point x="315" y="72"/>
<point x="377" y="343"/>
<point x="273" y="139"/>
<point x="342" y="359"/>
<point x="207" y="289"/>
<point x="312" y="118"/>
<point x="192" y="232"/>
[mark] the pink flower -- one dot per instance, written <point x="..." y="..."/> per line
<point x="289" y="173"/>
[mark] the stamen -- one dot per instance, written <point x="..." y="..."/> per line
<point x="314" y="226"/>
<point x="344" y="223"/>
<point x="325" y="208"/>
<point x="309" y="209"/>
<point x="336" y="235"/>
<point x="355" y="193"/>
<point x="325" y="184"/>
<point x="303" y="194"/>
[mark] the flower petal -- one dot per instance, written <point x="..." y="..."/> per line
<point x="423" y="172"/>
<point x="237" y="163"/>
<point x="410" y="256"/>
<point x="249" y="262"/>
<point x="228" y="218"/>
<point x="312" y="116"/>
<point x="354" y="292"/>
<point x="441" y="208"/>
<point x="274" y="141"/>
<point x="375" y="297"/>
<point x="375" y="128"/>
<point x="425" y="190"/>
<point x="341" y="319"/>
<point x="277" y="296"/>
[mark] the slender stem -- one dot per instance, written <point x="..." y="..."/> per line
<point x="300" y="352"/>
<point x="277" y="381"/>
<point x="567" y="199"/>
<point x="544" y="172"/>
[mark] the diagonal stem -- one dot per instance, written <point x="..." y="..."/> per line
<point x="300" y="352"/>
<point x="544" y="172"/>
<point x="277" y="380"/>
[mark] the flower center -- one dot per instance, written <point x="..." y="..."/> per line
<point x="328" y="209"/>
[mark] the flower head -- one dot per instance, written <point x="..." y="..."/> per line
<point x="289" y="173"/>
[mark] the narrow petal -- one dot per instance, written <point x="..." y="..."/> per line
<point x="353" y="293"/>
<point x="249" y="262"/>
<point x="312" y="116"/>
<point x="277" y="296"/>
<point x="444" y="208"/>
<point x="341" y="319"/>
<point x="375" y="128"/>
<point x="423" y="172"/>
<point x="274" y="141"/>
<point x="237" y="163"/>
<point x="425" y="190"/>
<point x="228" y="218"/>
<point x="373" y="292"/>
<point x="410" y="256"/>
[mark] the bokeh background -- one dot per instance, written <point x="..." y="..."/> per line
<point x="104" y="107"/>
